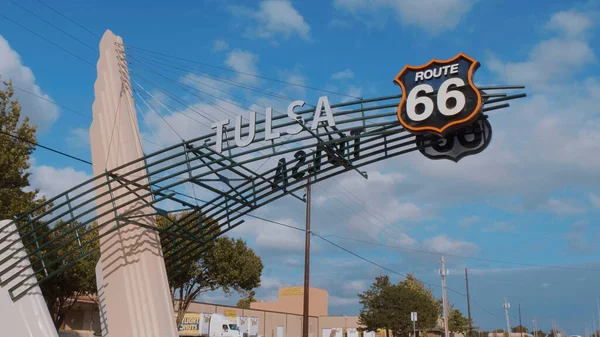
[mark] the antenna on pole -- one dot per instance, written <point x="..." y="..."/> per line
<point x="506" y="306"/>
<point x="444" y="272"/>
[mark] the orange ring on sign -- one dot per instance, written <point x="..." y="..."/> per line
<point x="474" y="64"/>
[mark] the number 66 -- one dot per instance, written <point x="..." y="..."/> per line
<point x="442" y="99"/>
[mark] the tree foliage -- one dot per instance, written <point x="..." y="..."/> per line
<point x="457" y="323"/>
<point x="519" y="328"/>
<point x="244" y="302"/>
<point x="229" y="264"/>
<point x="16" y="198"/>
<point x="388" y="306"/>
<point x="62" y="291"/>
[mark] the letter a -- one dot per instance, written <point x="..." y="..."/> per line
<point x="323" y="103"/>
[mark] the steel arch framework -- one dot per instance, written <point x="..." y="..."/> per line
<point x="366" y="131"/>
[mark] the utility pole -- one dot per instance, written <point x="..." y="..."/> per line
<point x="306" y="262"/>
<point x="533" y="325"/>
<point x="506" y="306"/>
<point x="469" y="304"/>
<point x="598" y="303"/>
<point x="443" y="272"/>
<point x="520" y="325"/>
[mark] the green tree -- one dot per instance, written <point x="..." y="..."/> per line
<point x="388" y="306"/>
<point x="229" y="264"/>
<point x="538" y="333"/>
<point x="457" y="323"/>
<point x="519" y="328"/>
<point x="376" y="312"/>
<point x="15" y="198"/>
<point x="244" y="302"/>
<point x="62" y="291"/>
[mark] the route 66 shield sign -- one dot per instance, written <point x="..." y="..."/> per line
<point x="468" y="141"/>
<point x="440" y="96"/>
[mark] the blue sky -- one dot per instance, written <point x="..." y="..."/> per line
<point x="532" y="197"/>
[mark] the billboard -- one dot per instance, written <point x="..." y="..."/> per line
<point x="190" y="325"/>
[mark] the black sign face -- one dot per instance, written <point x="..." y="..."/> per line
<point x="468" y="141"/>
<point x="439" y="97"/>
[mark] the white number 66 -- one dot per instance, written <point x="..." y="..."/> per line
<point x="442" y="98"/>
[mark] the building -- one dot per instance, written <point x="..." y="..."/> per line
<point x="282" y="318"/>
<point x="291" y="300"/>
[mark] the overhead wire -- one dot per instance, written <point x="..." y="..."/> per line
<point x="64" y="16"/>
<point x="461" y="256"/>
<point x="211" y="76"/>
<point x="47" y="100"/>
<point x="46" y="147"/>
<point x="47" y="40"/>
<point x="243" y="73"/>
<point x="54" y="26"/>
<point x="201" y="91"/>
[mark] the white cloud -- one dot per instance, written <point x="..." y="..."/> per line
<point x="274" y="19"/>
<point x="79" y="138"/>
<point x="41" y="113"/>
<point x="271" y="237"/>
<point x="499" y="227"/>
<point x="563" y="207"/>
<point x="433" y="16"/>
<point x="220" y="45"/>
<point x="570" y="23"/>
<point x="468" y="221"/>
<point x="547" y="61"/>
<point x="595" y="200"/>
<point x="444" y="245"/>
<point x="580" y="240"/>
<point x="292" y="262"/>
<point x="52" y="181"/>
<point x="355" y="286"/>
<point x="244" y="62"/>
<point x="270" y="282"/>
<point x="343" y="75"/>
<point x="337" y="23"/>
<point x="337" y="301"/>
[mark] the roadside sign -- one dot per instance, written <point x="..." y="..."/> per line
<point x="413" y="316"/>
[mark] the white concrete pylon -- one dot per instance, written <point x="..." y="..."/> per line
<point x="135" y="287"/>
<point x="29" y="316"/>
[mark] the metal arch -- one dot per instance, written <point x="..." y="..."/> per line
<point x="367" y="131"/>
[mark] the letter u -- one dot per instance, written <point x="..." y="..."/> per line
<point x="437" y="72"/>
<point x="251" y="130"/>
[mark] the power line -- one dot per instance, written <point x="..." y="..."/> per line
<point x="241" y="72"/>
<point x="462" y="256"/>
<point x="52" y="25"/>
<point x="64" y="16"/>
<point x="203" y="63"/>
<point x="47" y="40"/>
<point x="60" y="105"/>
<point x="46" y="148"/>
<point x="47" y="100"/>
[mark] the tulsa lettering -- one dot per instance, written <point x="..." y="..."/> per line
<point x="322" y="113"/>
